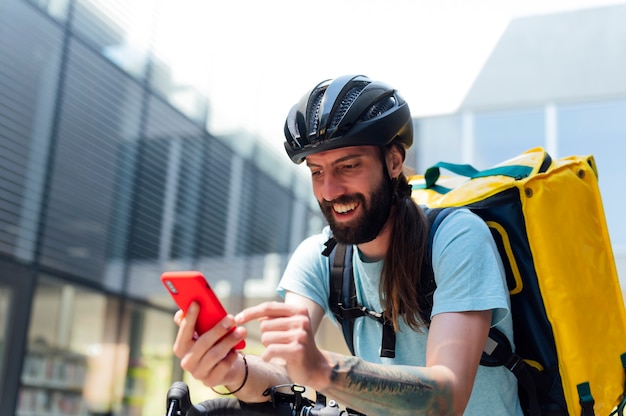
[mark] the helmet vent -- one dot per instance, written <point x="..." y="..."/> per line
<point x="314" y="115"/>
<point x="381" y="107"/>
<point x="348" y="100"/>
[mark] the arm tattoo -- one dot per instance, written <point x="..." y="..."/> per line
<point x="377" y="389"/>
<point x="363" y="380"/>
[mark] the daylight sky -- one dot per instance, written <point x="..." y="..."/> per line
<point x="256" y="58"/>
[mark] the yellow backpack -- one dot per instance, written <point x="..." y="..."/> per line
<point x="568" y="312"/>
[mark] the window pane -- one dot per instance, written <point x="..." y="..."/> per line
<point x="30" y="52"/>
<point x="265" y="213"/>
<point x="99" y="124"/>
<point x="88" y="355"/>
<point x="436" y="139"/>
<point x="504" y="134"/>
<point x="55" y="368"/>
<point x="150" y="364"/>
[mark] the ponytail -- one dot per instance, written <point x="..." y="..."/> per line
<point x="403" y="260"/>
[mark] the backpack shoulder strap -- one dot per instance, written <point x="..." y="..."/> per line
<point x="427" y="284"/>
<point x="343" y="302"/>
<point x="342" y="289"/>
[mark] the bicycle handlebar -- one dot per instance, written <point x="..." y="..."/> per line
<point x="178" y="400"/>
<point x="280" y="404"/>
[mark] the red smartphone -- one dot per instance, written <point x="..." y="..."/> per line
<point x="189" y="286"/>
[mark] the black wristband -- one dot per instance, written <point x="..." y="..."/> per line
<point x="243" y="383"/>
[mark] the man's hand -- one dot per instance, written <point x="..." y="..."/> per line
<point x="210" y="357"/>
<point x="287" y="331"/>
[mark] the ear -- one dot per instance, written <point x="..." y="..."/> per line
<point x="395" y="160"/>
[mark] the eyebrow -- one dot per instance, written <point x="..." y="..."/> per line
<point x="338" y="161"/>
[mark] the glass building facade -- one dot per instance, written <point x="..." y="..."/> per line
<point x="108" y="177"/>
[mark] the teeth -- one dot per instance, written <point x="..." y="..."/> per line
<point x="343" y="208"/>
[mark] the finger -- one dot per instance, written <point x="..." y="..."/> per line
<point x="178" y="317"/>
<point x="296" y="322"/>
<point x="209" y="358"/>
<point x="185" y="334"/>
<point x="268" y="310"/>
<point x="279" y="337"/>
<point x="259" y="311"/>
<point x="221" y="339"/>
<point x="296" y="336"/>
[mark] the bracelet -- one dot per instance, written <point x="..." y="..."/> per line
<point x="243" y="383"/>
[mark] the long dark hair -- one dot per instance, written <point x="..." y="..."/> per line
<point x="403" y="261"/>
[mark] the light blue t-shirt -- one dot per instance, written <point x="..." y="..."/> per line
<point x="469" y="276"/>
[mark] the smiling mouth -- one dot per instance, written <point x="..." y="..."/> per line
<point x="345" y="208"/>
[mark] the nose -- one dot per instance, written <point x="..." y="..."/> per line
<point x="331" y="187"/>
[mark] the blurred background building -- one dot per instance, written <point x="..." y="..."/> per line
<point x="109" y="176"/>
<point x="555" y="81"/>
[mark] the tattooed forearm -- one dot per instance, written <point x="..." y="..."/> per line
<point x="357" y="375"/>
<point x="376" y="389"/>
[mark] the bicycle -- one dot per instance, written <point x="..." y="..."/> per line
<point x="280" y="403"/>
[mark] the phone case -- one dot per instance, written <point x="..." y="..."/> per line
<point x="189" y="286"/>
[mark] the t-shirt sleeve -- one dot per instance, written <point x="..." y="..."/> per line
<point x="307" y="271"/>
<point x="468" y="269"/>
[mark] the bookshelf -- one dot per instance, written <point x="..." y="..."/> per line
<point x="52" y="383"/>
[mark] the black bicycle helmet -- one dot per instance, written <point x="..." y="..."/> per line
<point x="351" y="110"/>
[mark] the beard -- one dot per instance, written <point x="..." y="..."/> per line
<point x="372" y="220"/>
